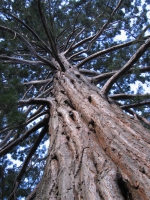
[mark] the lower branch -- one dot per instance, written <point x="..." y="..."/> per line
<point x="4" y="141"/>
<point x="14" y="60"/>
<point x="26" y="162"/>
<point x="43" y="101"/>
<point x="127" y="96"/>
<point x="101" y="77"/>
<point x="136" y="104"/>
<point x="13" y="143"/>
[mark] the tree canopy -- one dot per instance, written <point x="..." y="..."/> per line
<point x="40" y="37"/>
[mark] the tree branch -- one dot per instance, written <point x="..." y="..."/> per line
<point x="31" y="30"/>
<point x="69" y="37"/>
<point x="77" y="54"/>
<point x="13" y="143"/>
<point x="89" y="72"/>
<point x="135" y="114"/>
<point x="27" y="160"/>
<point x="49" y="36"/>
<point x="138" y="116"/>
<point x="37" y="82"/>
<point x="60" y="34"/>
<point x="135" y="104"/>
<point x="29" y="46"/>
<point x="45" y="92"/>
<point x="126" y="96"/>
<point x="32" y="194"/>
<point x="104" y="26"/>
<point x="14" y="60"/>
<point x="108" y="50"/>
<point x="44" y="101"/>
<point x="7" y="137"/>
<point x="82" y="42"/>
<point x="125" y="68"/>
<point x="104" y="76"/>
<point x="77" y="35"/>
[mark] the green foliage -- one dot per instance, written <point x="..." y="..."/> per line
<point x="10" y="92"/>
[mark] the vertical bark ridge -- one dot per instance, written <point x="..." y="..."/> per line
<point x="108" y="125"/>
<point x="93" y="152"/>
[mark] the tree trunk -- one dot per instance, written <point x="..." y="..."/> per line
<point x="96" y="151"/>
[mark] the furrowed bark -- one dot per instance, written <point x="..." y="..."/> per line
<point x="96" y="151"/>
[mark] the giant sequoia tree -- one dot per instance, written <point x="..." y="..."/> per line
<point x="66" y="77"/>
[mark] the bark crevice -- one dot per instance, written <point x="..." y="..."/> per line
<point x="95" y="149"/>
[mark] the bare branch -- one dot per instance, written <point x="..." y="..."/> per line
<point x="125" y="68"/>
<point x="143" y="119"/>
<point x="108" y="50"/>
<point x="78" y="58"/>
<point x="27" y="91"/>
<point x="136" y="104"/>
<point x="14" y="60"/>
<point x="104" y="26"/>
<point x="33" y="117"/>
<point x="72" y="32"/>
<point x="50" y="38"/>
<point x="77" y="35"/>
<point x="89" y="72"/>
<point x="133" y="113"/>
<point x="77" y="54"/>
<point x="117" y="7"/>
<point x="44" y="101"/>
<point x="27" y="160"/>
<point x="48" y="33"/>
<point x="60" y="34"/>
<point x="45" y="92"/>
<point x="85" y="40"/>
<point x="15" y="142"/>
<point x="104" y="76"/>
<point x="4" y="141"/>
<point x="37" y="82"/>
<point x="127" y="96"/>
<point x="138" y="116"/>
<point x="102" y="12"/>
<point x="36" y="113"/>
<point x="30" y="47"/>
<point x="32" y="31"/>
<point x="32" y="194"/>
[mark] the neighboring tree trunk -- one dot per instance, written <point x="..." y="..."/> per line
<point x="96" y="150"/>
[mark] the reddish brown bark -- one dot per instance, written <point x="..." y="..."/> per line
<point x="96" y="151"/>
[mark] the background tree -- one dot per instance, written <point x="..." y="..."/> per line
<point x="66" y="78"/>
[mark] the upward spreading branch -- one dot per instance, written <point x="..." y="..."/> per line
<point x="125" y="68"/>
<point x="29" y="46"/>
<point x="32" y="31"/>
<point x="104" y="26"/>
<point x="101" y="77"/>
<point x="108" y="50"/>
<point x="48" y="32"/>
